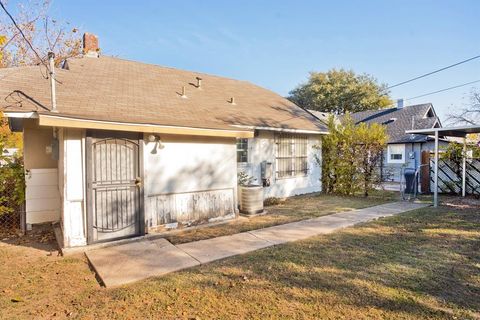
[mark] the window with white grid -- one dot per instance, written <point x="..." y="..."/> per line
<point x="242" y="150"/>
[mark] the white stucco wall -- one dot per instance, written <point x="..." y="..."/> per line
<point x="262" y="148"/>
<point x="181" y="169"/>
<point x="181" y="166"/>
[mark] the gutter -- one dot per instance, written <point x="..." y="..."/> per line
<point x="20" y="114"/>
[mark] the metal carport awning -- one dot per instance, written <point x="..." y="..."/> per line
<point x="460" y="132"/>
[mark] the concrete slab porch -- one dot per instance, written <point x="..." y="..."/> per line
<point x="138" y="260"/>
<point x="146" y="258"/>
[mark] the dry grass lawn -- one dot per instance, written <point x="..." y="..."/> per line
<point x="420" y="265"/>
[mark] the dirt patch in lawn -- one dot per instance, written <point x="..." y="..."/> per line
<point x="290" y="210"/>
<point x="462" y="203"/>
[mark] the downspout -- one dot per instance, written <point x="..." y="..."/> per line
<point x="51" y="57"/>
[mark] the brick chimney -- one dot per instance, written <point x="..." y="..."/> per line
<point x="90" y="45"/>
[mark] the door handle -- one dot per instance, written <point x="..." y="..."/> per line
<point x="138" y="181"/>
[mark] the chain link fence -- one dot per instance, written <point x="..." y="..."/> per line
<point x="12" y="218"/>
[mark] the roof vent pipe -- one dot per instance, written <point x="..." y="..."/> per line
<point x="184" y="92"/>
<point x="199" y="82"/>
<point x="232" y="100"/>
<point x="51" y="60"/>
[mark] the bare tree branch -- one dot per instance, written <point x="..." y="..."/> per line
<point x="43" y="33"/>
<point x="469" y="114"/>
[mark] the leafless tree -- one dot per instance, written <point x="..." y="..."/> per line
<point x="41" y="31"/>
<point x="469" y="114"/>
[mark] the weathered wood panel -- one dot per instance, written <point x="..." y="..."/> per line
<point x="191" y="206"/>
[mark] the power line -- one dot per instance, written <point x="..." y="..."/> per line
<point x="23" y="35"/>
<point x="442" y="90"/>
<point x="433" y="72"/>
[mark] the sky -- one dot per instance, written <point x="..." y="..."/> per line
<point x="275" y="44"/>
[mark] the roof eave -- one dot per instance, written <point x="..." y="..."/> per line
<point x="21" y="114"/>
<point x="71" y="122"/>
<point x="289" y="130"/>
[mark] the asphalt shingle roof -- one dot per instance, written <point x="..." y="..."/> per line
<point x="113" y="89"/>
<point x="398" y="120"/>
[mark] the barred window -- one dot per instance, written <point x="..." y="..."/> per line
<point x="242" y="150"/>
<point x="291" y="155"/>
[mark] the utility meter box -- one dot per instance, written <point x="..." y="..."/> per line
<point x="266" y="173"/>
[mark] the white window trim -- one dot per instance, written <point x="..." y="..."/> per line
<point x="244" y="163"/>
<point x="389" y="160"/>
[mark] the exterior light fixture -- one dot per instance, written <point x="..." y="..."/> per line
<point x="152" y="138"/>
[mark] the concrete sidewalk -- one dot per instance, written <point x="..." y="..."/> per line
<point x="147" y="258"/>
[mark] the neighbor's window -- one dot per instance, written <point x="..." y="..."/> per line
<point x="242" y="150"/>
<point x="291" y="155"/>
<point x="396" y="153"/>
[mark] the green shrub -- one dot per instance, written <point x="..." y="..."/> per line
<point x="12" y="185"/>
<point x="351" y="156"/>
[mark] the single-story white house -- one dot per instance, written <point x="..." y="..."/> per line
<point x="124" y="148"/>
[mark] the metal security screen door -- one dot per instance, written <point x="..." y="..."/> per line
<point x="115" y="198"/>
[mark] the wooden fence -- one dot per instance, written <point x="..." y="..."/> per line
<point x="450" y="176"/>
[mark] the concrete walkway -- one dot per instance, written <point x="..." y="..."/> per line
<point x="139" y="260"/>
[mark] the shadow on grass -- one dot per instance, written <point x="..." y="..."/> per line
<point x="395" y="264"/>
<point x="41" y="237"/>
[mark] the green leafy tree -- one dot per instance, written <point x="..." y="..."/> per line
<point x="371" y="141"/>
<point x="351" y="155"/>
<point x="340" y="91"/>
<point x="9" y="139"/>
<point x="12" y="184"/>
